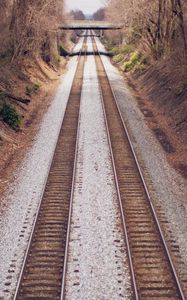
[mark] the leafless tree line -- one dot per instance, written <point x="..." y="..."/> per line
<point x="160" y="24"/>
<point x="76" y="15"/>
<point x="29" y="26"/>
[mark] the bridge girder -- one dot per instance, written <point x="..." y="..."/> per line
<point x="89" y="25"/>
<point x="88" y="28"/>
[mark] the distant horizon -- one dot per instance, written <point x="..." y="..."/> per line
<point x="86" y="7"/>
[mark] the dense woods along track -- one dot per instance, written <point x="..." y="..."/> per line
<point x="42" y="273"/>
<point x="152" y="270"/>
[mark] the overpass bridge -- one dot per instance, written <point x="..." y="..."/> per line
<point x="89" y="25"/>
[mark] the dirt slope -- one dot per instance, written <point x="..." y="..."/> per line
<point x="161" y="92"/>
<point x="13" y="145"/>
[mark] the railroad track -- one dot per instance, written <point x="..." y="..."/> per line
<point x="43" y="267"/>
<point x="152" y="271"/>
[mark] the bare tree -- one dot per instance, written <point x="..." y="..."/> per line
<point x="34" y="24"/>
<point x="5" y="16"/>
<point x="77" y="15"/>
<point x="159" y="23"/>
<point x="99" y="14"/>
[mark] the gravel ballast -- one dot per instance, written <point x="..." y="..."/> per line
<point x="97" y="262"/>
<point x="23" y="196"/>
<point x="167" y="188"/>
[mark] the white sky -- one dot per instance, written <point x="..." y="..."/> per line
<point x="87" y="6"/>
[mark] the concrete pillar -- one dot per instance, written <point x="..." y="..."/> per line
<point x="101" y="33"/>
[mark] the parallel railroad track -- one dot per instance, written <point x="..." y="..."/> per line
<point x="152" y="270"/>
<point x="43" y="268"/>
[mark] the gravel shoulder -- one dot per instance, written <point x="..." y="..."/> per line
<point x="20" y="201"/>
<point x="167" y="188"/>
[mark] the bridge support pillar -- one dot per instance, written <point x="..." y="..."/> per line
<point x="101" y="33"/>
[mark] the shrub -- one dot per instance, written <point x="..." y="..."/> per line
<point x="136" y="62"/>
<point x="118" y="58"/>
<point x="36" y="87"/>
<point x="129" y="65"/>
<point x="127" y="49"/>
<point x="115" y="50"/>
<point x="108" y="45"/>
<point x="10" y="116"/>
<point x="29" y="90"/>
<point x="180" y="87"/>
<point x="62" y="50"/>
<point x="140" y="66"/>
<point x="122" y="49"/>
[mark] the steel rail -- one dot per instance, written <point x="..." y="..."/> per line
<point x="33" y="227"/>
<point x="71" y="203"/>
<point x="175" y="275"/>
<point x="118" y="191"/>
<point x="43" y="190"/>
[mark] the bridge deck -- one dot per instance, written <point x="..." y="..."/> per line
<point x="89" y="25"/>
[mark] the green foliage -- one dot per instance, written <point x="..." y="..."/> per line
<point x="118" y="58"/>
<point x="140" y="66"/>
<point x="62" y="50"/>
<point x="180" y="87"/>
<point x="136" y="62"/>
<point x="114" y="50"/>
<point x="121" y="52"/>
<point x="9" y="115"/>
<point x="127" y="49"/>
<point x="134" y="59"/>
<point x="29" y="90"/>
